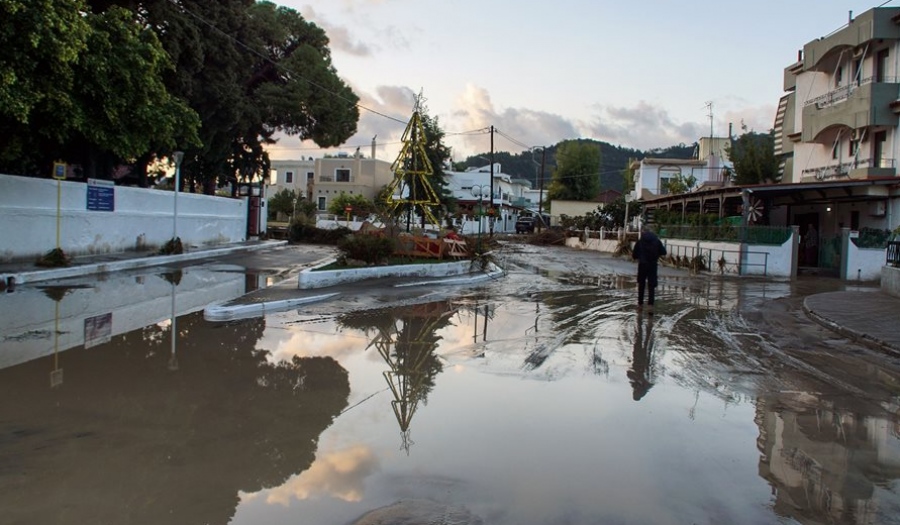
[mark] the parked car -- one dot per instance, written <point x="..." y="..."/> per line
<point x="525" y="225"/>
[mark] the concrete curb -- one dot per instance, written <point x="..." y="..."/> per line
<point x="131" y="264"/>
<point x="220" y="312"/>
<point x="309" y="278"/>
<point x="865" y="339"/>
<point x="493" y="273"/>
<point x="228" y="312"/>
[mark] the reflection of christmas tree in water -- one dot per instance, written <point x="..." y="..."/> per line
<point x="406" y="339"/>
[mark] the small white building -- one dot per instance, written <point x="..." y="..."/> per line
<point x="472" y="191"/>
<point x="709" y="167"/>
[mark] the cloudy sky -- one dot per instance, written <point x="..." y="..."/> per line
<point x="634" y="74"/>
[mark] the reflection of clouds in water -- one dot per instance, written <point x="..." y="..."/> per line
<point x="285" y="344"/>
<point x="340" y="475"/>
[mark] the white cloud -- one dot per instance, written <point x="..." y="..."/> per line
<point x="340" y="474"/>
<point x="474" y="109"/>
<point x="339" y="37"/>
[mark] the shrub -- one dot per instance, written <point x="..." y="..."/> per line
<point x="55" y="258"/>
<point x="302" y="232"/>
<point x="172" y="247"/>
<point x="371" y="249"/>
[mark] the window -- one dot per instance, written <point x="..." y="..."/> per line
<point x="857" y="72"/>
<point x="322" y="204"/>
<point x="838" y="76"/>
<point x="289" y="177"/>
<point x="342" y="175"/>
<point x="880" y="151"/>
<point x="854" y="146"/>
<point x="834" y="149"/>
<point x="664" y="185"/>
<point x="310" y="176"/>
<point x="881" y="65"/>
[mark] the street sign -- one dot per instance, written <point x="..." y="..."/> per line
<point x="59" y="171"/>
<point x="101" y="195"/>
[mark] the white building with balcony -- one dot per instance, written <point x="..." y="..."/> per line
<point x="839" y="117"/>
<point x="709" y="167"/>
<point x="472" y="191"/>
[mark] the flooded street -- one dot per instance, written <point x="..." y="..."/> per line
<point x="543" y="397"/>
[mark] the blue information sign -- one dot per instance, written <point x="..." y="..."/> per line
<point x="101" y="195"/>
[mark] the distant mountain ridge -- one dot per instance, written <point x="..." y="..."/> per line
<point x="613" y="161"/>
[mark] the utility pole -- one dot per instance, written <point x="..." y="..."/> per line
<point x="491" y="206"/>
<point x="541" y="191"/>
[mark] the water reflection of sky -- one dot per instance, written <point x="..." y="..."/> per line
<point x="529" y="401"/>
<point x="522" y="425"/>
<point x="563" y="406"/>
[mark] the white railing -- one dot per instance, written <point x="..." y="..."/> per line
<point x="844" y="92"/>
<point x="843" y="169"/>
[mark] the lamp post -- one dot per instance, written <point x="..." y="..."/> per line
<point x="178" y="156"/>
<point x="540" y="221"/>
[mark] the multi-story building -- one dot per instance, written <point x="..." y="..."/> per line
<point x="292" y="175"/>
<point x="321" y="180"/>
<point x="839" y="117"/>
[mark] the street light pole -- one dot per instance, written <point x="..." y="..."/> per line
<point x="178" y="156"/>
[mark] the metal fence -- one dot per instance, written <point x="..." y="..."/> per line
<point x="717" y="260"/>
<point x="774" y="235"/>
<point x="893" y="254"/>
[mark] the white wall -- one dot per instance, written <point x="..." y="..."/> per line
<point x="142" y="218"/>
<point x="768" y="260"/>
<point x="863" y="264"/>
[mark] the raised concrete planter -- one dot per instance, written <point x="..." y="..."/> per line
<point x="312" y="278"/>
<point x="890" y="280"/>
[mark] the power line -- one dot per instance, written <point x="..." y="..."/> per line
<point x="358" y="146"/>
<point x="511" y="139"/>
<point x="269" y="60"/>
<point x="301" y="77"/>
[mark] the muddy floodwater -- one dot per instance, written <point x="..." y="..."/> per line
<point x="543" y="397"/>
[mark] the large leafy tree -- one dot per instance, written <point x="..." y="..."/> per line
<point x="84" y="87"/>
<point x="251" y="69"/>
<point x="753" y="155"/>
<point x="575" y="177"/>
<point x="214" y="78"/>
<point x="124" y="109"/>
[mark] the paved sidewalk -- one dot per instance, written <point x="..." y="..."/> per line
<point x="23" y="272"/>
<point x="872" y="318"/>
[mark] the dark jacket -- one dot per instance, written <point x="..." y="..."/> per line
<point x="648" y="249"/>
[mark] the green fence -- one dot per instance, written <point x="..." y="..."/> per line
<point x="774" y="235"/>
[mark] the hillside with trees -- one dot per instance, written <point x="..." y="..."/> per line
<point x="613" y="160"/>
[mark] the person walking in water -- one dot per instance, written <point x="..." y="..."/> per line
<point x="647" y="251"/>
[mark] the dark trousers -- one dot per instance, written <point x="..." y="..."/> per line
<point x="646" y="276"/>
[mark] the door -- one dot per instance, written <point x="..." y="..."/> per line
<point x="809" y="238"/>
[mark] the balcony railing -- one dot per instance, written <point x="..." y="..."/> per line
<point x="844" y="168"/>
<point x="331" y="178"/>
<point x="844" y="92"/>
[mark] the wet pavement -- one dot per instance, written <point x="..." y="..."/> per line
<point x="542" y="397"/>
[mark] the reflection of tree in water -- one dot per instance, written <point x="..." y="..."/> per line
<point x="126" y="440"/>
<point x="406" y="339"/>
<point x="826" y="459"/>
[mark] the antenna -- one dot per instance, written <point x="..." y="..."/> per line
<point x="709" y="106"/>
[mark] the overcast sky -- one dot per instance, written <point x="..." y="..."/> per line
<point x="634" y="74"/>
